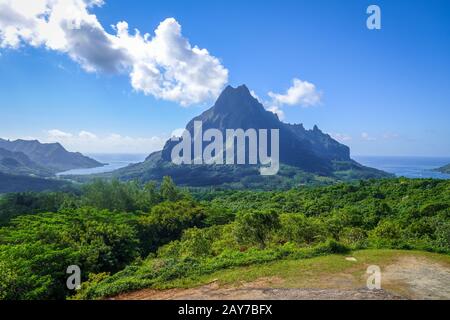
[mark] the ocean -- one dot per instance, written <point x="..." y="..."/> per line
<point x="409" y="167"/>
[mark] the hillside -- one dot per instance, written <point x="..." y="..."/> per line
<point x="19" y="164"/>
<point x="444" y="169"/>
<point x="234" y="177"/>
<point x="17" y="183"/>
<point x="51" y="156"/>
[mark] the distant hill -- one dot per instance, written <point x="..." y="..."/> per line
<point x="306" y="156"/>
<point x="444" y="169"/>
<point x="51" y="156"/>
<point x="19" y="164"/>
<point x="14" y="183"/>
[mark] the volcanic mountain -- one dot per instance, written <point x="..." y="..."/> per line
<point x="306" y="155"/>
<point x="312" y="151"/>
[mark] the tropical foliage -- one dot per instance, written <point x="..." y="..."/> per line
<point x="125" y="236"/>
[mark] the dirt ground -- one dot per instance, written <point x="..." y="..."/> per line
<point x="407" y="278"/>
<point x="418" y="278"/>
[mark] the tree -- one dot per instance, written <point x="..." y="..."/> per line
<point x="300" y="229"/>
<point x="169" y="190"/>
<point x="255" y="227"/>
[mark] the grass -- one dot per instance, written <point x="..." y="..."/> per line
<point x="320" y="272"/>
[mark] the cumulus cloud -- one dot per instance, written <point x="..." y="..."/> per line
<point x="164" y="65"/>
<point x="301" y="93"/>
<point x="88" y="142"/>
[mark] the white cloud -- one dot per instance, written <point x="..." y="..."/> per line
<point x="254" y="95"/>
<point x="177" y="133"/>
<point x="88" y="142"/>
<point x="342" y="137"/>
<point x="166" y="65"/>
<point x="277" y="111"/>
<point x="58" y="134"/>
<point x="269" y="106"/>
<point x="367" y="137"/>
<point x="87" y="135"/>
<point x="302" y="93"/>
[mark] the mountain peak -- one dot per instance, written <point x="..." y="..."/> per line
<point x="239" y="92"/>
<point x="233" y="100"/>
<point x="240" y="89"/>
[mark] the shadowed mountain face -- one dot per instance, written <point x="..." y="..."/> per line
<point x="309" y="150"/>
<point x="306" y="156"/>
<point x="18" y="163"/>
<point x="23" y="183"/>
<point x="53" y="157"/>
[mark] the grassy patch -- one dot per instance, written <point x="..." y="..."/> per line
<point x="319" y="272"/>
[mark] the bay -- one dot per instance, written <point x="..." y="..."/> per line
<point x="112" y="162"/>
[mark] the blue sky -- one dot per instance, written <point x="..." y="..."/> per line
<point x="382" y="92"/>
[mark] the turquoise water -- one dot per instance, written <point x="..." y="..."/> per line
<point x="112" y="161"/>
<point x="409" y="167"/>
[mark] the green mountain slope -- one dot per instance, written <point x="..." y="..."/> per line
<point x="52" y="156"/>
<point x="16" y="183"/>
<point x="19" y="164"/>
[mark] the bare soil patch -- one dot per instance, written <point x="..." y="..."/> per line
<point x="408" y="277"/>
<point x="418" y="278"/>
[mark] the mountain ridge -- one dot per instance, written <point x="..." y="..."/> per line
<point x="236" y="108"/>
<point x="306" y="156"/>
<point x="52" y="156"/>
<point x="19" y="163"/>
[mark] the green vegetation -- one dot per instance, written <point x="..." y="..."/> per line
<point x="444" y="169"/>
<point x="125" y="236"/>
<point x="17" y="183"/>
<point x="235" y="177"/>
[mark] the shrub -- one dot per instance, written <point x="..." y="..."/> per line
<point x="256" y="227"/>
<point x="353" y="237"/>
<point x="302" y="230"/>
